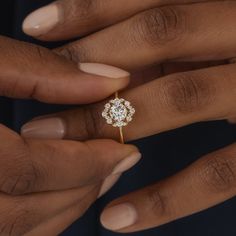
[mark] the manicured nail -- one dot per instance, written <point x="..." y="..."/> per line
<point x="127" y="163"/>
<point x="103" y="70"/>
<point x="49" y="128"/>
<point x="108" y="183"/>
<point x="119" y="217"/>
<point x="42" y="20"/>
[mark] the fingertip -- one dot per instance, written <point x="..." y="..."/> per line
<point x="108" y="183"/>
<point x="104" y="80"/>
<point x="41" y="21"/>
<point x="44" y="128"/>
<point x="119" y="217"/>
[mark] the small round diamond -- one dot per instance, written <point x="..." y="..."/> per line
<point x="127" y="103"/>
<point x="104" y="114"/>
<point x="108" y="105"/>
<point x="129" y="118"/>
<point x="109" y="121"/>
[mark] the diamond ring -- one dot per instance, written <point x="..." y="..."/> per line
<point x="118" y="113"/>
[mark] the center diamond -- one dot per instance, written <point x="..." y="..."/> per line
<point x="118" y="112"/>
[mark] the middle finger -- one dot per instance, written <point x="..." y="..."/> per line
<point x="202" y="31"/>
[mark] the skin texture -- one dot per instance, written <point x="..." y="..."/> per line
<point x="51" y="77"/>
<point x="160" y="42"/>
<point x="75" y="18"/>
<point x="44" y="180"/>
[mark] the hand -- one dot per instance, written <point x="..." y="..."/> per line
<point x="46" y="184"/>
<point x="197" y="32"/>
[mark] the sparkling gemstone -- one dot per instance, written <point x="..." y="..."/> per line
<point x="107" y="106"/>
<point x="104" y="114"/>
<point x="109" y="121"/>
<point x="129" y="118"/>
<point x="132" y="111"/>
<point x="127" y="104"/>
<point x="118" y="112"/>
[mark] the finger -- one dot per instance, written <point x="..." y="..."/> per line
<point x="232" y="120"/>
<point x="21" y="214"/>
<point x="67" y="19"/>
<point x="44" y="165"/>
<point x="60" y="222"/>
<point x="163" y="104"/>
<point x="209" y="181"/>
<point x="142" y="76"/>
<point x="170" y="33"/>
<point x="29" y="71"/>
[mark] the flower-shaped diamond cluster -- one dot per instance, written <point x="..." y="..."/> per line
<point x="118" y="112"/>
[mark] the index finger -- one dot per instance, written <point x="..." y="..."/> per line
<point x="30" y="71"/>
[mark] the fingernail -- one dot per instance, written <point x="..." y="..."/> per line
<point x="50" y="128"/>
<point x="127" y="163"/>
<point x="103" y="70"/>
<point x="108" y="183"/>
<point x="42" y="20"/>
<point x="119" y="217"/>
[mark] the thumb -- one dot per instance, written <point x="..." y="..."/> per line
<point x="30" y="71"/>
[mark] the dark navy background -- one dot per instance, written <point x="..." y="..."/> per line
<point x="163" y="155"/>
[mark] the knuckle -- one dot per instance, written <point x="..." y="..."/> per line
<point x="157" y="201"/>
<point x="97" y="168"/>
<point x="93" y="126"/>
<point x="86" y="12"/>
<point x="187" y="92"/>
<point x="19" y="175"/>
<point x="81" y="8"/>
<point x="41" y="53"/>
<point x="19" y="219"/>
<point x="161" y="25"/>
<point x="69" y="52"/>
<point x="219" y="174"/>
<point x="38" y="53"/>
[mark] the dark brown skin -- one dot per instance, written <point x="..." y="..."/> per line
<point x="192" y="92"/>
<point x="45" y="179"/>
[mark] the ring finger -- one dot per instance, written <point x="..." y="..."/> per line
<point x="163" y="104"/>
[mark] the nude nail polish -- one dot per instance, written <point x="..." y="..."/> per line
<point x="103" y="70"/>
<point x="121" y="167"/>
<point x="108" y="183"/>
<point x="127" y="163"/>
<point x="42" y="20"/>
<point x="119" y="217"/>
<point x="49" y="128"/>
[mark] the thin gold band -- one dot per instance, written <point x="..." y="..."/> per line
<point x="121" y="135"/>
<point x="120" y="128"/>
